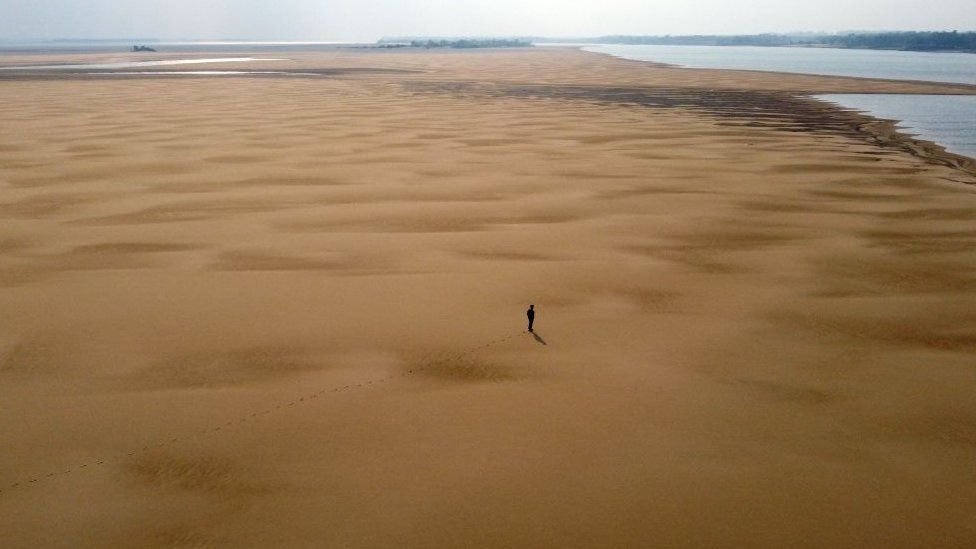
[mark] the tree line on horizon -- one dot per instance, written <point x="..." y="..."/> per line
<point x="462" y="43"/>
<point x="910" y="41"/>
<point x="936" y="41"/>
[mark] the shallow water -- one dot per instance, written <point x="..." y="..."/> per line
<point x="196" y="73"/>
<point x="137" y="64"/>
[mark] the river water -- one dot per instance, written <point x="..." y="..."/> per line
<point x="945" y="119"/>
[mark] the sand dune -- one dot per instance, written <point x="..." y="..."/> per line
<point x="288" y="311"/>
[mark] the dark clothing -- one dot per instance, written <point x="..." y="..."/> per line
<point x="531" y="314"/>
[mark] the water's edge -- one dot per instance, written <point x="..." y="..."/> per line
<point x="949" y="121"/>
<point x="886" y="126"/>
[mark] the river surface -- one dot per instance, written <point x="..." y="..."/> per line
<point x="959" y="68"/>
<point x="949" y="120"/>
<point x="945" y="119"/>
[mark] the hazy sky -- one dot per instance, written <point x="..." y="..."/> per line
<point x="367" y="20"/>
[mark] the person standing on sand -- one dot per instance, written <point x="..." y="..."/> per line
<point x="531" y="314"/>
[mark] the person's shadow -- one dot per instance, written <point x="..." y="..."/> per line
<point x="539" y="339"/>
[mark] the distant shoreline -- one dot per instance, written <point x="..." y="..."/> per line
<point x="932" y="42"/>
<point x="929" y="42"/>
